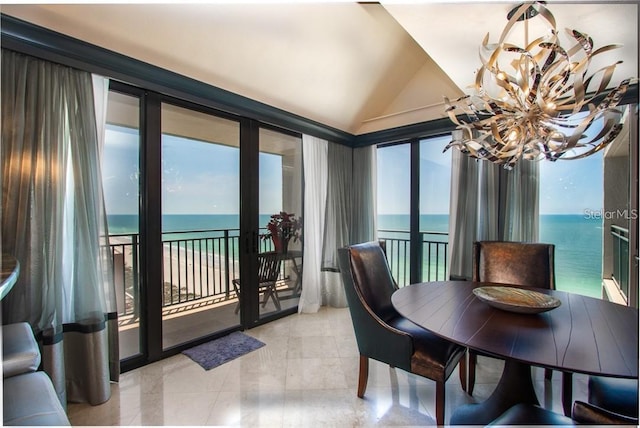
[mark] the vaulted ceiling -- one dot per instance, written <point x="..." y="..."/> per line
<point x="357" y="67"/>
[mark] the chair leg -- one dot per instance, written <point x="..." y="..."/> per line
<point x="567" y="392"/>
<point x="237" y="290"/>
<point x="471" y="367"/>
<point x="363" y="376"/>
<point x="440" y="399"/>
<point x="265" y="297"/>
<point x="548" y="373"/>
<point x="274" y="297"/>
<point x="462" y="371"/>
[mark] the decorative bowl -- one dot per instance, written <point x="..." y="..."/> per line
<point x="518" y="300"/>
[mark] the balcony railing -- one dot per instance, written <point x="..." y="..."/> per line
<point x="201" y="265"/>
<point x="197" y="265"/>
<point x="620" y="275"/>
<point x="434" y="250"/>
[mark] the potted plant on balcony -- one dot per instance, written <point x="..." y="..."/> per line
<point x="281" y="228"/>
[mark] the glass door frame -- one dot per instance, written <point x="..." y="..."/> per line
<point x="249" y="221"/>
<point x="150" y="224"/>
<point x="416" y="248"/>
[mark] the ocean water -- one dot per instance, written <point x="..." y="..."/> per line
<point x="181" y="228"/>
<point x="578" y="239"/>
<point x="127" y="224"/>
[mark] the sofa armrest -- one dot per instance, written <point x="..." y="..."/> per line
<point x="20" y="352"/>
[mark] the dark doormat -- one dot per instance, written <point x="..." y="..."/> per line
<point x="219" y="351"/>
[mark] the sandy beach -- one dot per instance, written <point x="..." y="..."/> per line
<point x="189" y="273"/>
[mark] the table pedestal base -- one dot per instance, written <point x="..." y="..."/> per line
<point x="515" y="387"/>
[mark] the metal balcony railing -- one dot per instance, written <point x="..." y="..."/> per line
<point x="620" y="274"/>
<point x="434" y="250"/>
<point x="202" y="264"/>
<point x="197" y="265"/>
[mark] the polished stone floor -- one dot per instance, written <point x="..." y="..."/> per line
<point x="305" y="376"/>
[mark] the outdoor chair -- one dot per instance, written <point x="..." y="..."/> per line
<point x="268" y="273"/>
<point x="515" y="263"/>
<point x="382" y="333"/>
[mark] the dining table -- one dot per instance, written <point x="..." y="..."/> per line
<point x="577" y="334"/>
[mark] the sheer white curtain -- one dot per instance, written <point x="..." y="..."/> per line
<point x="339" y="210"/>
<point x="314" y="160"/>
<point x="364" y="216"/>
<point x="489" y="203"/>
<point x="462" y="214"/>
<point x="522" y="205"/>
<point x="337" y="226"/>
<point x="54" y="222"/>
<point x="101" y="101"/>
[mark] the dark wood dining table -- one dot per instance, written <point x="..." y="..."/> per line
<point x="583" y="335"/>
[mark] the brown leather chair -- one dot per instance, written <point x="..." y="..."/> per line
<point x="382" y="333"/>
<point x="582" y="414"/>
<point x="516" y="263"/>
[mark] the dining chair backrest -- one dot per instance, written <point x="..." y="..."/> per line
<point x="517" y="263"/>
<point x="372" y="278"/>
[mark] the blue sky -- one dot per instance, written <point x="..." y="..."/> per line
<point x="571" y="186"/>
<point x="197" y="177"/>
<point x="566" y="186"/>
<point x="203" y="178"/>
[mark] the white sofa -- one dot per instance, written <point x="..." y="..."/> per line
<point x="28" y="395"/>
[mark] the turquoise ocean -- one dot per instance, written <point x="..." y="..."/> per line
<point x="578" y="239"/>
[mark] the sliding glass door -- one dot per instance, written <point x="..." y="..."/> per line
<point x="200" y="223"/>
<point x="190" y="192"/>
<point x="280" y="221"/>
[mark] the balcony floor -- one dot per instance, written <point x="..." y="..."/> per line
<point x="306" y="375"/>
<point x="191" y="320"/>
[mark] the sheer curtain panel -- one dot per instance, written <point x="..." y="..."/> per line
<point x="314" y="159"/>
<point x="364" y="216"/>
<point x="337" y="222"/>
<point x="489" y="202"/>
<point x="54" y="222"/>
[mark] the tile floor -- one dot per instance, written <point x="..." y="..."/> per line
<point x="306" y="376"/>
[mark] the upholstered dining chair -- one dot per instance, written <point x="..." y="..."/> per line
<point x="382" y="333"/>
<point x="581" y="414"/>
<point x="268" y="272"/>
<point x="616" y="395"/>
<point x="516" y="263"/>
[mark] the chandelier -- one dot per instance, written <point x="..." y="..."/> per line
<point x="537" y="101"/>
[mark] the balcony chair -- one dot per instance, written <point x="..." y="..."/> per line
<point x="517" y="263"/>
<point x="382" y="333"/>
<point x="581" y="414"/>
<point x="268" y="273"/>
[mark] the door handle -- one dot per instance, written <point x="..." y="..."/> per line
<point x="251" y="241"/>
